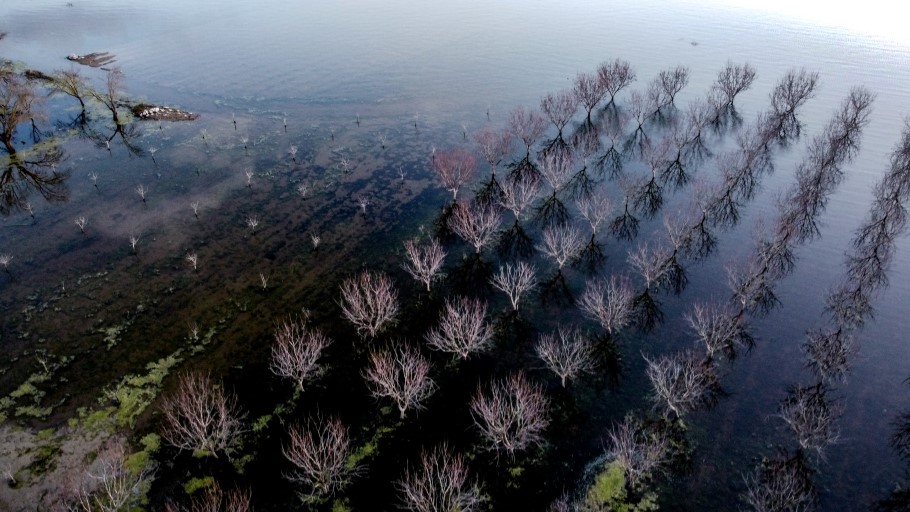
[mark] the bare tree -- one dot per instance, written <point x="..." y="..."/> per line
<point x="200" y="416"/>
<point x="560" y="108"/>
<point x="110" y="96"/>
<point x="718" y="329"/>
<point x="214" y="499"/>
<point x="475" y="223"/>
<point x="110" y="482"/>
<point x="637" y="454"/>
<point x="319" y="452"/>
<point x="462" y="329"/>
<point x="828" y="353"/>
<point x="513" y="415"/>
<point x="562" y="243"/>
<point x="650" y="262"/>
<point x="567" y="353"/>
<point x="790" y="93"/>
<point x="18" y="102"/>
<point x="589" y="90"/>
<point x="595" y="209"/>
<point x="296" y="352"/>
<point x="610" y="303"/>
<point x="518" y="193"/>
<point x="369" y="301"/>
<point x="439" y="484"/>
<point x="780" y="485"/>
<point x="672" y="81"/>
<point x="682" y="382"/>
<point x="424" y="261"/>
<point x="515" y="280"/>
<point x="527" y="125"/>
<point x="455" y="169"/>
<point x="811" y="416"/>
<point x="615" y="76"/>
<point x="401" y="374"/>
<point x="734" y="79"/>
<point x="71" y="83"/>
<point x="493" y="146"/>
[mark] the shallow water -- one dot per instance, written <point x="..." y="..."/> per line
<point x="449" y="68"/>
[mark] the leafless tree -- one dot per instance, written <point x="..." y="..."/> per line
<point x="518" y="193"/>
<point x="672" y="81"/>
<point x="319" y="452"/>
<point x="559" y="108"/>
<point x="515" y="280"/>
<point x="424" y="261"/>
<point x="611" y="303"/>
<point x="650" y="262"/>
<point x="369" y="301"/>
<point x="493" y="146"/>
<point x="455" y="169"/>
<point x="566" y="352"/>
<point x="527" y="125"/>
<point x="462" y="329"/>
<point x="440" y="484"/>
<point x="718" y="329"/>
<point x="682" y="382"/>
<point x="780" y="485"/>
<point x="811" y="416"/>
<point x="401" y="374"/>
<point x="594" y="208"/>
<point x="829" y="352"/>
<point x="562" y="243"/>
<point x="71" y="83"/>
<point x="615" y="76"/>
<point x="18" y="102"/>
<point x="110" y="482"/>
<point x="475" y="223"/>
<point x="512" y="415"/>
<point x="110" y="96"/>
<point x="556" y="169"/>
<point x="215" y="499"/>
<point x="734" y="79"/>
<point x="296" y="352"/>
<point x="200" y="416"/>
<point x="589" y="90"/>
<point x="637" y="454"/>
<point x="790" y="93"/>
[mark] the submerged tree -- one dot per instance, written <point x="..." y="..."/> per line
<point x="200" y="416"/>
<point x="440" y="483"/>
<point x="319" y="452"/>
<point x="512" y="415"/>
<point x="615" y="76"/>
<point x="296" y="351"/>
<point x="682" y="382"/>
<point x="455" y="169"/>
<point x="566" y="352"/>
<point x="462" y="328"/>
<point x="515" y="280"/>
<point x="475" y="223"/>
<point x="369" y="302"/>
<point x="610" y="303"/>
<point x="424" y="261"/>
<point x="402" y="374"/>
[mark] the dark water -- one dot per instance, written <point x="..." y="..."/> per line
<point x="449" y="68"/>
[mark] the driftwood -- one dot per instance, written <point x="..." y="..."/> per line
<point x="95" y="60"/>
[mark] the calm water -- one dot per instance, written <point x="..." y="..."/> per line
<point x="449" y="67"/>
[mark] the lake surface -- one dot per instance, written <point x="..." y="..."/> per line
<point x="379" y="85"/>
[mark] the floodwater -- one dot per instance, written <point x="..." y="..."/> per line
<point x="365" y="91"/>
